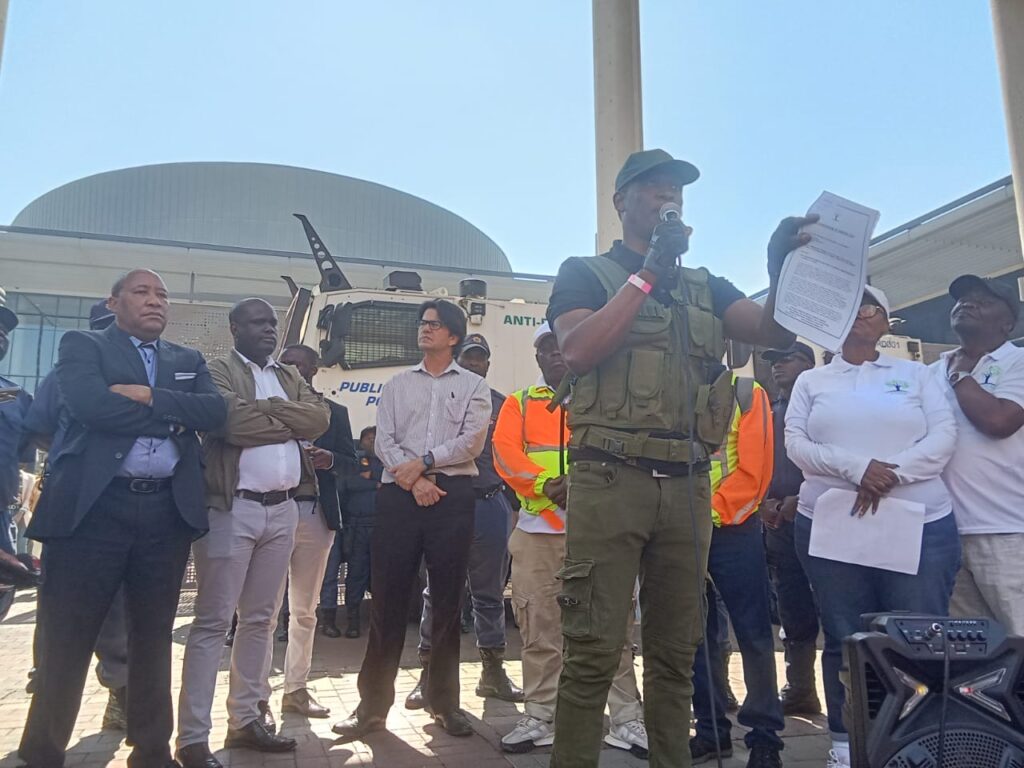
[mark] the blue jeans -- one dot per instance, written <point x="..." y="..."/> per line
<point x="737" y="565"/>
<point x="8" y="532"/>
<point x="797" y="612"/>
<point x="845" y="591"/>
<point x="488" y="570"/>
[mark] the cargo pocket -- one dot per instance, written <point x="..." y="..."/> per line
<point x="575" y="596"/>
<point x="521" y="612"/>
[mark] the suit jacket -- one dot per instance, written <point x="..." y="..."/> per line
<point x="338" y="440"/>
<point x="103" y="426"/>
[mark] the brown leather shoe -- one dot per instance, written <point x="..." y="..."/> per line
<point x="357" y="726"/>
<point x="302" y="702"/>
<point x="267" y="717"/>
<point x="197" y="756"/>
<point x="255" y="736"/>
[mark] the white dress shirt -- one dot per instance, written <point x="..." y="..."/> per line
<point x="266" y="468"/>
<point x="446" y="415"/>
<point x="986" y="474"/>
<point x="841" y="416"/>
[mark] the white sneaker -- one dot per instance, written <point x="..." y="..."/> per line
<point x="529" y="733"/>
<point x="631" y="736"/>
<point x="837" y="760"/>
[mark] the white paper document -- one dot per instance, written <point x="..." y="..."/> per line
<point x="821" y="284"/>
<point x="889" y="539"/>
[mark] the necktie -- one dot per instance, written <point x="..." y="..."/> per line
<point x="148" y="351"/>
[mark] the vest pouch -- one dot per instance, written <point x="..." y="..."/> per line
<point x="714" y="411"/>
<point x="612" y="386"/>
<point x="583" y="393"/>
<point x="646" y="382"/>
<point x="705" y="330"/>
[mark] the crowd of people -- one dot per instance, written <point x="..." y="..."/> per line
<point x="637" y="476"/>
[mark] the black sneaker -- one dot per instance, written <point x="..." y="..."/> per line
<point x="764" y="756"/>
<point x="702" y="750"/>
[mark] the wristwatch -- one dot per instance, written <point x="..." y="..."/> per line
<point x="957" y="376"/>
<point x="428" y="460"/>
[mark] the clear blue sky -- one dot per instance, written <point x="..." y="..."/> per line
<point x="487" y="108"/>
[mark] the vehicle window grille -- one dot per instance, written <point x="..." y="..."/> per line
<point x="378" y="334"/>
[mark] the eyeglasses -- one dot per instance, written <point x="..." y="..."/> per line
<point x="434" y="325"/>
<point x="869" y="310"/>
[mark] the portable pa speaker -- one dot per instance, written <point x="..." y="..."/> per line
<point x="900" y="675"/>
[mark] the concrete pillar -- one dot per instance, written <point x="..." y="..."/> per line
<point x="3" y="28"/>
<point x="618" y="118"/>
<point x="1008" y="24"/>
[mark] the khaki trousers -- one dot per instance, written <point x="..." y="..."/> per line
<point x="313" y="542"/>
<point x="536" y="558"/>
<point x="624" y="522"/>
<point x="991" y="579"/>
<point x="240" y="563"/>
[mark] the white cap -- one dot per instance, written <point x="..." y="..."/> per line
<point x="878" y="295"/>
<point x="541" y="332"/>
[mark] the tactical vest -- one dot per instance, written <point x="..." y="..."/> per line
<point x="652" y="395"/>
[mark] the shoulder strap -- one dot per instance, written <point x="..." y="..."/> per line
<point x="611" y="274"/>
<point x="745" y="393"/>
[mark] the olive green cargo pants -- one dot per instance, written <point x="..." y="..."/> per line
<point x="623" y="522"/>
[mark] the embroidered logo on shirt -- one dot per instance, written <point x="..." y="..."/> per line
<point x="990" y="377"/>
<point x="897" y="386"/>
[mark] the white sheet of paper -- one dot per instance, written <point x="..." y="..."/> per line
<point x="889" y="539"/>
<point x="821" y="284"/>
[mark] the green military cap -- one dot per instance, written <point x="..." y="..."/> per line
<point x="639" y="163"/>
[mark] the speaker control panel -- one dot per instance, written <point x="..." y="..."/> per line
<point x="929" y="636"/>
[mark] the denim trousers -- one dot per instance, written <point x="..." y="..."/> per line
<point x="846" y="591"/>
<point x="740" y="572"/>
<point x="488" y="571"/>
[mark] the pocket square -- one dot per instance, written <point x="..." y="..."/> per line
<point x="184" y="375"/>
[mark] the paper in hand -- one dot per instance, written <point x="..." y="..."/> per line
<point x="821" y="284"/>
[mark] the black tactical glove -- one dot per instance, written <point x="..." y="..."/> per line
<point x="786" y="238"/>
<point x="671" y="239"/>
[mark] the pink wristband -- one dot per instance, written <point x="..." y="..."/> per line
<point x="640" y="283"/>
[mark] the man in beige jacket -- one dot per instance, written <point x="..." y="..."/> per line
<point x="255" y="467"/>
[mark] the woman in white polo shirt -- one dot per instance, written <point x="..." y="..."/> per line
<point x="867" y="429"/>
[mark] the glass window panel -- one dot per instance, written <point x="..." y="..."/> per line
<point x="69" y="306"/>
<point x="39" y="303"/>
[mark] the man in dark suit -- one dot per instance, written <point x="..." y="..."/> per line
<point x="46" y="422"/>
<point x="120" y="507"/>
<point x="332" y="454"/>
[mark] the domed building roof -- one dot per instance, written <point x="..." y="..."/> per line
<point x="250" y="205"/>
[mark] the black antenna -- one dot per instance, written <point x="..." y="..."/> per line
<point x="331" y="276"/>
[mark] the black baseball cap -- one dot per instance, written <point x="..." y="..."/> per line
<point x="966" y="283"/>
<point x="100" y="316"/>
<point x="639" y="163"/>
<point x="476" y="341"/>
<point x="796" y="348"/>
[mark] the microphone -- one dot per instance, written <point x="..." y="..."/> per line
<point x="670" y="212"/>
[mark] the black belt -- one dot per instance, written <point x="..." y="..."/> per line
<point x="268" y="499"/>
<point x="655" y="467"/>
<point x="489" y="493"/>
<point x="305" y="498"/>
<point x="142" y="484"/>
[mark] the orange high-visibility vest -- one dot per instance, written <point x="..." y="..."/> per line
<point x="528" y="449"/>
<point x="741" y="470"/>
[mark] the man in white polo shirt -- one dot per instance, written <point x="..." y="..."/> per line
<point x="985" y="386"/>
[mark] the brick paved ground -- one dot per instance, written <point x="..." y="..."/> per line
<point x="411" y="741"/>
